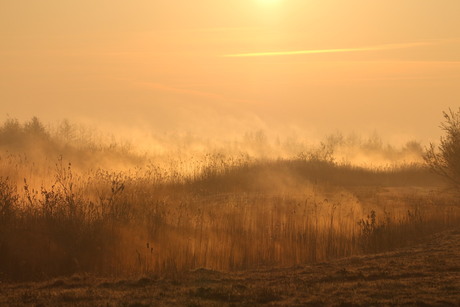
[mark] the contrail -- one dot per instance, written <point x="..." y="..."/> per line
<point x="297" y="52"/>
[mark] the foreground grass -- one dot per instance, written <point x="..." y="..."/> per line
<point x="425" y="274"/>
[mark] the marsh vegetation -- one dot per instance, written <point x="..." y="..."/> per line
<point x="74" y="205"/>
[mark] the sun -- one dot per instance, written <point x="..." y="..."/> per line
<point x="268" y="2"/>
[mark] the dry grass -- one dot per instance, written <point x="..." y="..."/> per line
<point x="424" y="274"/>
<point x="270" y="214"/>
<point x="216" y="211"/>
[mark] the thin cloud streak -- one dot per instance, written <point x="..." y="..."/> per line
<point x="319" y="51"/>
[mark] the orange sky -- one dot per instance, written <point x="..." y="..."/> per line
<point x="218" y="67"/>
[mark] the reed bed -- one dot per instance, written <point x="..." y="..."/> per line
<point x="222" y="216"/>
<point x="251" y="204"/>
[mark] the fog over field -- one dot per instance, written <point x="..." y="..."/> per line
<point x="222" y="153"/>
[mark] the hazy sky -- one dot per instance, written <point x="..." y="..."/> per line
<point x="228" y="66"/>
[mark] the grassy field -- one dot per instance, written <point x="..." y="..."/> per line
<point x="279" y="213"/>
<point x="425" y="274"/>
<point x="101" y="221"/>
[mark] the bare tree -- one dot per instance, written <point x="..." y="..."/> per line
<point x="445" y="158"/>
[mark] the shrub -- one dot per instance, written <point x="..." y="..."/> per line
<point x="445" y="159"/>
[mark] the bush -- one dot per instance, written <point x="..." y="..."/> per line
<point x="445" y="159"/>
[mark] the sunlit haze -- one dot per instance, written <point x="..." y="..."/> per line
<point x="223" y="68"/>
<point x="230" y="152"/>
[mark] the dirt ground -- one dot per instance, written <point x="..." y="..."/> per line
<point x="426" y="274"/>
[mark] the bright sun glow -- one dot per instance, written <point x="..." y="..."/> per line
<point x="268" y="1"/>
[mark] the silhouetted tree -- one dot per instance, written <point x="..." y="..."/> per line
<point x="35" y="128"/>
<point x="445" y="158"/>
<point x="10" y="131"/>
